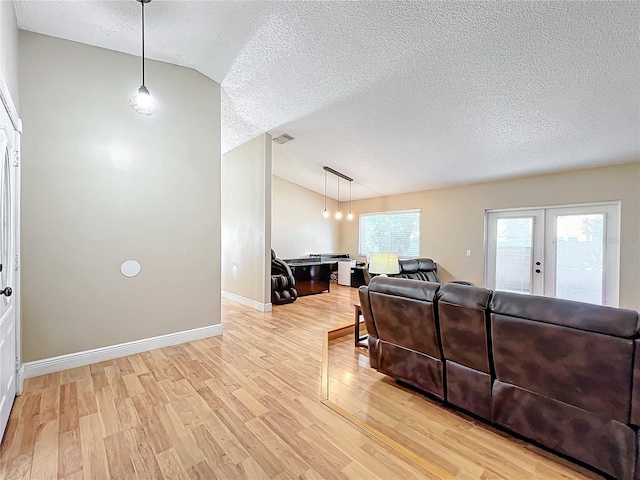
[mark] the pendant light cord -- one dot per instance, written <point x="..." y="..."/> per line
<point x="325" y="190"/>
<point x="339" y="200"/>
<point x="142" y="3"/>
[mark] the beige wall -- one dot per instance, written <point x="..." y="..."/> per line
<point x="298" y="227"/>
<point x="9" y="48"/>
<point x="246" y="220"/>
<point x="452" y="219"/>
<point x="103" y="184"/>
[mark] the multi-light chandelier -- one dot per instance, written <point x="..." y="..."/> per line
<point x="338" y="214"/>
<point x="142" y="101"/>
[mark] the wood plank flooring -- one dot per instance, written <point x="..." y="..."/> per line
<point x="244" y="405"/>
<point x="458" y="445"/>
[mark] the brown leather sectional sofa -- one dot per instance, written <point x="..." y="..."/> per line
<point x="563" y="374"/>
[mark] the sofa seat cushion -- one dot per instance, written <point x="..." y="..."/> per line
<point x="468" y="389"/>
<point x="414" y="368"/>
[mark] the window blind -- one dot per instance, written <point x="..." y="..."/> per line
<point x="390" y="232"/>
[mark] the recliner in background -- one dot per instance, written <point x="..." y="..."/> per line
<point x="424" y="269"/>
<point x="282" y="282"/>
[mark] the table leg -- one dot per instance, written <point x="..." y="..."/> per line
<point x="360" y="340"/>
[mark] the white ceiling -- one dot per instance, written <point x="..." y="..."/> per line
<point x="401" y="96"/>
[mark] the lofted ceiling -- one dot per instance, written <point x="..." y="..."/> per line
<point x="400" y="96"/>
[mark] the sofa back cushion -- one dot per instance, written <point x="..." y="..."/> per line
<point x="568" y="351"/>
<point x="462" y="310"/>
<point x="583" y="316"/>
<point x="404" y="314"/>
<point x="408" y="265"/>
<point x="423" y="269"/>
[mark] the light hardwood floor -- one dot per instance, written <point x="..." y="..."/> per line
<point x="450" y="442"/>
<point x="243" y="405"/>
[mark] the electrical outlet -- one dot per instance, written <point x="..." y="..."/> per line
<point x="468" y="253"/>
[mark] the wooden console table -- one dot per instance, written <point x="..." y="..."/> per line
<point x="311" y="277"/>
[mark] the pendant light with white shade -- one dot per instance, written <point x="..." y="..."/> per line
<point x="350" y="215"/>
<point x="338" y="215"/>
<point x="142" y="101"/>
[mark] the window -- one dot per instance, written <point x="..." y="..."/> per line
<point x="390" y="232"/>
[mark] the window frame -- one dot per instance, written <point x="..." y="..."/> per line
<point x="389" y="213"/>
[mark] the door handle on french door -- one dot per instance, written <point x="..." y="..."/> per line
<point x="6" y="291"/>
<point x="537" y="270"/>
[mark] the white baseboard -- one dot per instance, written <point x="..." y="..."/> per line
<point x="261" y="307"/>
<point x="80" y="359"/>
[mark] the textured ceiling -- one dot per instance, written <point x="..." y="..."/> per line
<point x="401" y="96"/>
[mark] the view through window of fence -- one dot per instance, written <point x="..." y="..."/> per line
<point x="513" y="254"/>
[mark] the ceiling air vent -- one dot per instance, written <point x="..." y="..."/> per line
<point x="284" y="138"/>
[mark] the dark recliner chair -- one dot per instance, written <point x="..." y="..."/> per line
<point x="464" y="330"/>
<point x="423" y="269"/>
<point x="282" y="282"/>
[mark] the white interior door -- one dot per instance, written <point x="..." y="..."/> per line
<point x="8" y="231"/>
<point x="564" y="252"/>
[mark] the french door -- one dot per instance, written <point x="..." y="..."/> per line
<point x="8" y="220"/>
<point x="561" y="252"/>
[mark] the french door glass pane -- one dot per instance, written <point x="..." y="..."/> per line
<point x="514" y="246"/>
<point x="579" y="257"/>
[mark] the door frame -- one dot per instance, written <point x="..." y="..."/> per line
<point x="10" y="107"/>
<point x="614" y="248"/>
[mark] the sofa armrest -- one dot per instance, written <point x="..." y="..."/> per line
<point x="373" y="340"/>
<point x="367" y="276"/>
<point x="635" y="388"/>
<point x="363" y="291"/>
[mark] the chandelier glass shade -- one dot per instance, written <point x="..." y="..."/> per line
<point x="143" y="103"/>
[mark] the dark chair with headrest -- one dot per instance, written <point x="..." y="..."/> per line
<point x="282" y="282"/>
<point x="424" y="269"/>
